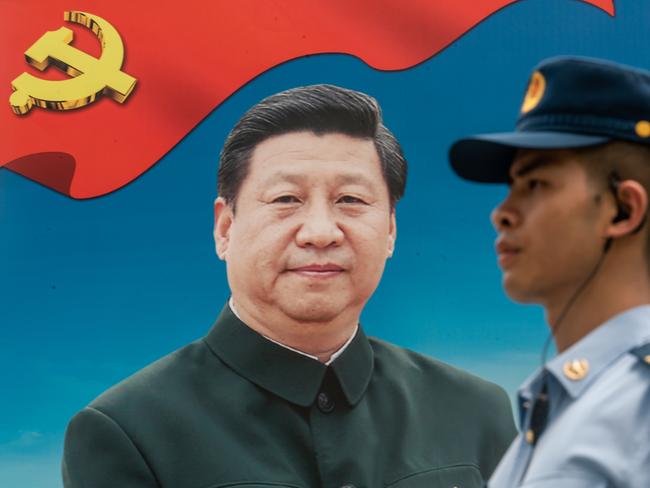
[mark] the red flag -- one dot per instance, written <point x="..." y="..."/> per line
<point x="187" y="58"/>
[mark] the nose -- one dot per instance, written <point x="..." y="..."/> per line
<point x="319" y="228"/>
<point x="505" y="216"/>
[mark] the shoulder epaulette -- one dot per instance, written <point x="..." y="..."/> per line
<point x="643" y="353"/>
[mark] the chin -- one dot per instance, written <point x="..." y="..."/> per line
<point x="318" y="310"/>
<point x="517" y="291"/>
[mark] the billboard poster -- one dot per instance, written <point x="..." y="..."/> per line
<point x="114" y="116"/>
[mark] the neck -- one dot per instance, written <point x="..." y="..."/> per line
<point x="319" y="339"/>
<point x="617" y="287"/>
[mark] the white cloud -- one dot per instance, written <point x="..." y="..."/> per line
<point x="23" y="441"/>
<point x="26" y="439"/>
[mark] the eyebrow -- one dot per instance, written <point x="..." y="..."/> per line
<point x="283" y="176"/>
<point x="534" y="163"/>
<point x="348" y="178"/>
<point x="354" y="179"/>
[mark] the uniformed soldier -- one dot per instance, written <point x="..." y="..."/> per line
<point x="572" y="236"/>
<point x="286" y="390"/>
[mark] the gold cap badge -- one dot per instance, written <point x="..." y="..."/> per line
<point x="534" y="93"/>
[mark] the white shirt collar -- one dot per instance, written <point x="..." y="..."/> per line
<point x="339" y="351"/>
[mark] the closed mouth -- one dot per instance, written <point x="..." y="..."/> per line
<point x="318" y="270"/>
<point x="506" y="251"/>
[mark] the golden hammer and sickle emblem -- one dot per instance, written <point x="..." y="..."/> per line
<point x="90" y="76"/>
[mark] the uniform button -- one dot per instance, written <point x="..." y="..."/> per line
<point x="530" y="436"/>
<point x="326" y="405"/>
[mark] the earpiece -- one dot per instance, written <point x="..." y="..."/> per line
<point x="623" y="213"/>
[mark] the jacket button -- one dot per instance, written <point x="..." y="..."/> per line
<point x="325" y="405"/>
<point x="348" y="486"/>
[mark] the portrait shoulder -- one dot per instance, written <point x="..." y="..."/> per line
<point x="413" y="367"/>
<point x="160" y="383"/>
<point x="480" y="409"/>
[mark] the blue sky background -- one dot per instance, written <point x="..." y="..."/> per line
<point x="91" y="291"/>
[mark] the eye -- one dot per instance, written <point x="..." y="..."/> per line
<point x="350" y="199"/>
<point x="286" y="199"/>
<point x="534" y="183"/>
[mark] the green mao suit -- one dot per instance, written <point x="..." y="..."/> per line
<point x="237" y="410"/>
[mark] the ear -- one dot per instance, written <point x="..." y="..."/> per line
<point x="392" y="234"/>
<point x="633" y="199"/>
<point x="223" y="217"/>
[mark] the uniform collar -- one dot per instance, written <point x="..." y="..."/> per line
<point x="336" y="354"/>
<point x="288" y="374"/>
<point x="600" y="348"/>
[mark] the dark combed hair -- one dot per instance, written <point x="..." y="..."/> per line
<point x="321" y="109"/>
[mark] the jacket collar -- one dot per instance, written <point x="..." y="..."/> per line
<point x="286" y="373"/>
<point x="600" y="348"/>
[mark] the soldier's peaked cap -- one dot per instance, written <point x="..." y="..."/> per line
<point x="570" y="102"/>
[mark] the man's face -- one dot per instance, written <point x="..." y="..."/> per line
<point x="551" y="227"/>
<point x="312" y="230"/>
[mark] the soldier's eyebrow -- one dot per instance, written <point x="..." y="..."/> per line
<point x="533" y="163"/>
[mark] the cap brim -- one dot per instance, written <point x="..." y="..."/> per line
<point x="486" y="158"/>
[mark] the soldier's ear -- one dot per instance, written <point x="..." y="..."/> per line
<point x="631" y="208"/>
<point x="223" y="216"/>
